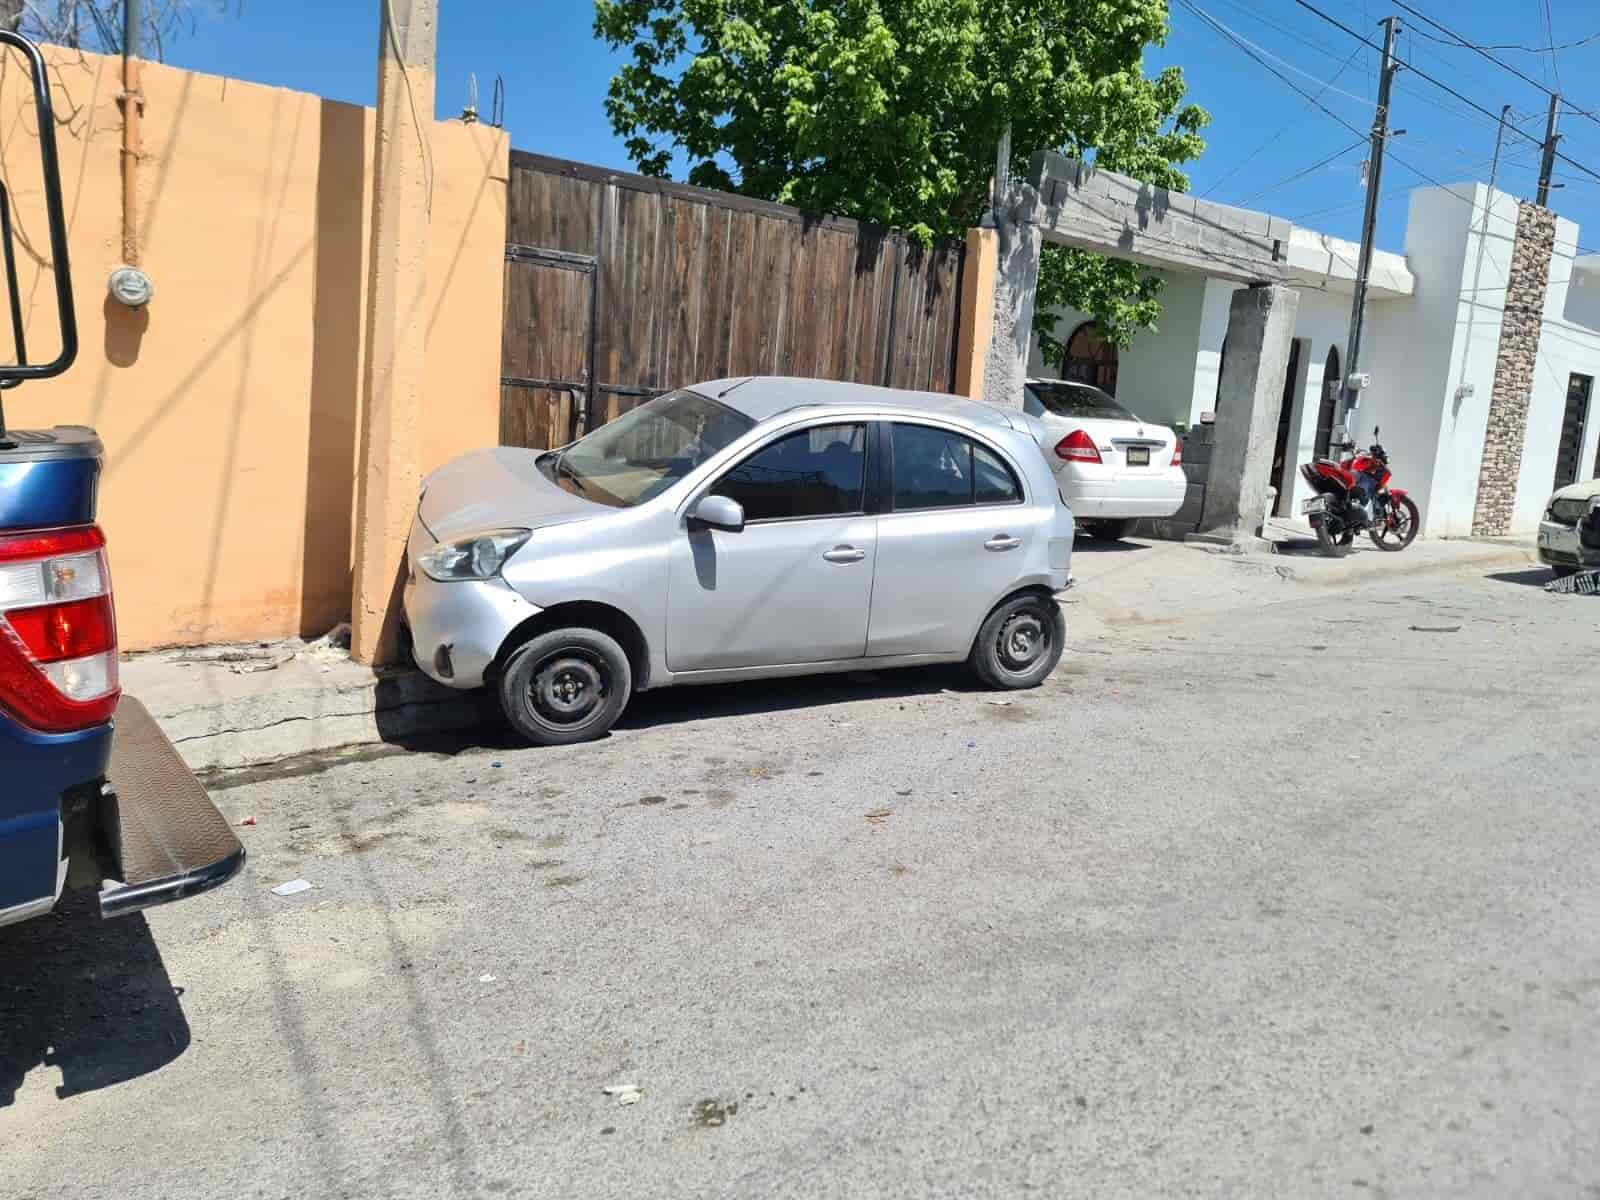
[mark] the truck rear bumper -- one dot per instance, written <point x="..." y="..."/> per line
<point x="167" y="839"/>
<point x="43" y="774"/>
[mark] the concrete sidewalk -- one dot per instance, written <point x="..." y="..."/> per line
<point x="245" y="705"/>
<point x="229" y="707"/>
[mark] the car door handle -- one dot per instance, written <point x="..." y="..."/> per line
<point x="844" y="554"/>
<point x="1002" y="541"/>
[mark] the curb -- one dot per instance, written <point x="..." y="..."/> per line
<point x="219" y="724"/>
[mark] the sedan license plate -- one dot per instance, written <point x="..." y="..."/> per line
<point x="1314" y="505"/>
<point x="1138" y="456"/>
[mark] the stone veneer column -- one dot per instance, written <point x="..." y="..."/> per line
<point x="1521" y="324"/>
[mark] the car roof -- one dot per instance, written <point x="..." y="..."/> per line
<point x="761" y="397"/>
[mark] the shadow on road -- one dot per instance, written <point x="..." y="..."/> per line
<point x="671" y="706"/>
<point x="87" y="996"/>
<point x="1533" y="577"/>
<point x="1086" y="544"/>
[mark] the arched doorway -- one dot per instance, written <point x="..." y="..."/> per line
<point x="1091" y="359"/>
<point x="1328" y="409"/>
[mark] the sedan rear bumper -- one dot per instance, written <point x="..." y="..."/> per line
<point x="1105" y="493"/>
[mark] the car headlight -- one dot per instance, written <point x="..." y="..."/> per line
<point x="477" y="557"/>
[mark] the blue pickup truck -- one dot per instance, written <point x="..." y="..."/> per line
<point x="92" y="794"/>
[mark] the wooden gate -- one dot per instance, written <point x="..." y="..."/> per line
<point x="619" y="287"/>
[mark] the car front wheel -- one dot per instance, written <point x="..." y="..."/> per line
<point x="1020" y="642"/>
<point x="566" y="686"/>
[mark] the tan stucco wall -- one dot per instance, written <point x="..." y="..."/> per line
<point x="229" y="409"/>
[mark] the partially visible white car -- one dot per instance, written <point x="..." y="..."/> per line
<point x="1569" y="535"/>
<point x="1112" y="468"/>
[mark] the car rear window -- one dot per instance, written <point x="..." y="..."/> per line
<point x="1066" y="399"/>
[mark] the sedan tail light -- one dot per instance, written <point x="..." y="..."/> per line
<point x="58" y="630"/>
<point x="1077" y="446"/>
<point x="1177" y="453"/>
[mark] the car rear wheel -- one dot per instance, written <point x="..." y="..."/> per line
<point x="565" y="686"/>
<point x="1108" y="531"/>
<point x="1562" y="572"/>
<point x="1020" y="642"/>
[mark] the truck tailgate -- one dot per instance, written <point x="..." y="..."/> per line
<point x="168" y="838"/>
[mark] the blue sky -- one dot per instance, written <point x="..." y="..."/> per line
<point x="1262" y="133"/>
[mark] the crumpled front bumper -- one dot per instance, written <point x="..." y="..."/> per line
<point x="457" y="628"/>
<point x="1561" y="546"/>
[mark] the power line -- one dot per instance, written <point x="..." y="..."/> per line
<point x="1243" y="45"/>
<point x="1468" y="101"/>
<point x="1249" y="158"/>
<point x="1301" y="174"/>
<point x="1550" y="35"/>
<point x="1461" y="41"/>
<point x="1572" y="45"/>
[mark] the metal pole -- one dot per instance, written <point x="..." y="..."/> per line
<point x="1369" y="223"/>
<point x="1547" y="164"/>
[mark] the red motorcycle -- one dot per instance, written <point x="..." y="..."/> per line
<point x="1354" y="494"/>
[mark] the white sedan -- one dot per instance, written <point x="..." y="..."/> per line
<point x="1112" y="468"/>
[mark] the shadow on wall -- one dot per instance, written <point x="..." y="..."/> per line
<point x="88" y="997"/>
<point x="125" y="330"/>
<point x="336" y="365"/>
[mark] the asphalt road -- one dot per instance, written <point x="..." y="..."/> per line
<point x="1298" y="900"/>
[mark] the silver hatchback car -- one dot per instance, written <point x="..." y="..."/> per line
<point x="740" y="529"/>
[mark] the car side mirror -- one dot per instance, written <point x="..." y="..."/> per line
<point x="717" y="512"/>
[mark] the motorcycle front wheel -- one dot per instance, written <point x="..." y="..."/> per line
<point x="1398" y="527"/>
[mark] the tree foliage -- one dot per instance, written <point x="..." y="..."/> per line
<point x="890" y="110"/>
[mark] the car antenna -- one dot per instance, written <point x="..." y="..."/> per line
<point x="732" y="386"/>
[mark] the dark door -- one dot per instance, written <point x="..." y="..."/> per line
<point x="1281" y="466"/>
<point x="1328" y="409"/>
<point x="1570" y="447"/>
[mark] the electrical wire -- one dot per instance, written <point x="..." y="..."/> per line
<point x="1573" y="45"/>
<point x="1550" y="34"/>
<point x="1301" y="174"/>
<point x="1249" y="158"/>
<point x="1464" y="43"/>
<point x="1421" y="74"/>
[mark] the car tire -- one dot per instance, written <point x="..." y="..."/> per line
<point x="1019" y="643"/>
<point x="1563" y="572"/>
<point x="1108" y="531"/>
<point x="565" y="686"/>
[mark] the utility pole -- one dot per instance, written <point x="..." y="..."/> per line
<point x="1369" y="223"/>
<point x="390" y="465"/>
<point x="1547" y="164"/>
<point x="132" y="128"/>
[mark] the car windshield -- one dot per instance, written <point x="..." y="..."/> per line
<point x="1067" y="399"/>
<point x="645" y="451"/>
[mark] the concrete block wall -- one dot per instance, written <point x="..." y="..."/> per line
<point x="1197" y="446"/>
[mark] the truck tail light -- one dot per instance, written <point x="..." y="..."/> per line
<point x="58" y="630"/>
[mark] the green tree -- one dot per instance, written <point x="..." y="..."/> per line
<point x="890" y="110"/>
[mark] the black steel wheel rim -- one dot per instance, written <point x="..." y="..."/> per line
<point x="568" y="688"/>
<point x="1024" y="640"/>
<point x="1400" y="531"/>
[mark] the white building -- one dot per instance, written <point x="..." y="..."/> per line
<point x="1432" y="342"/>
